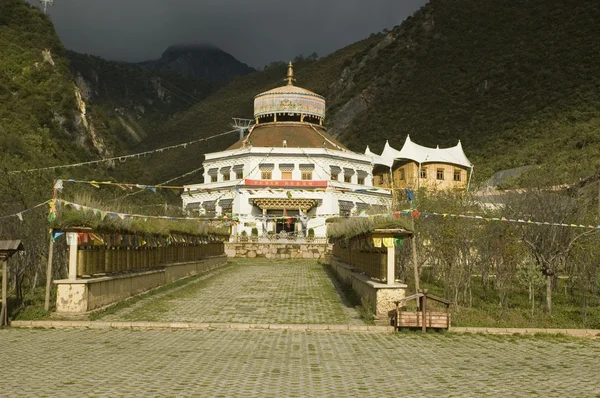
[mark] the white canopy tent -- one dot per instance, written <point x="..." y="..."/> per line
<point x="421" y="154"/>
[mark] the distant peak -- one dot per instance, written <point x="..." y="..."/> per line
<point x="193" y="47"/>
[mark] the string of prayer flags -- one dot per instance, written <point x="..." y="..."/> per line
<point x="56" y="234"/>
<point x="388" y="242"/>
<point x="52" y="211"/>
<point x="58" y="185"/>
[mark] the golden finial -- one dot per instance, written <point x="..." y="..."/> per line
<point x="290" y="74"/>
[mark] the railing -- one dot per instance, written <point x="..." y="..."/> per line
<point x="99" y="255"/>
<point x="280" y="238"/>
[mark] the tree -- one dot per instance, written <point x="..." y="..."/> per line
<point x="549" y="245"/>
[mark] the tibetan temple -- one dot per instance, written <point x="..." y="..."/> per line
<point x="286" y="174"/>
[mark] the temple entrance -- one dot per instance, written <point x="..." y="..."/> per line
<point x="283" y="214"/>
<point x="288" y="225"/>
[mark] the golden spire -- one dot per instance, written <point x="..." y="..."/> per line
<point x="290" y="74"/>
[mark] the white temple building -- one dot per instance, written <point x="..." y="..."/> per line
<point x="287" y="174"/>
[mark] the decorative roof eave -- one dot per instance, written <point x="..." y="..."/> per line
<point x="286" y="112"/>
<point x="278" y="93"/>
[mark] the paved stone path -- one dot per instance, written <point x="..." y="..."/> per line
<point x="249" y="291"/>
<point x="284" y="363"/>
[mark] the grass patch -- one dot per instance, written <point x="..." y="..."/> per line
<point x="485" y="310"/>
<point x="31" y="308"/>
<point x="363" y="307"/>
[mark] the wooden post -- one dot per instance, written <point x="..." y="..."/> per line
<point x="391" y="265"/>
<point x="49" y="273"/>
<point x="4" y="310"/>
<point x="423" y="316"/>
<point x="413" y="242"/>
<point x="72" y="242"/>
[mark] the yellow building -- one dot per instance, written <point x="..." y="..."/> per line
<point x="416" y="166"/>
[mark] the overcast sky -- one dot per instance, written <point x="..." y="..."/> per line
<point x="254" y="31"/>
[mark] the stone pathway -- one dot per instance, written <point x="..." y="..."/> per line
<point x="285" y="363"/>
<point x="250" y="291"/>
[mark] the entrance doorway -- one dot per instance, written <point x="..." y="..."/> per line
<point x="288" y="225"/>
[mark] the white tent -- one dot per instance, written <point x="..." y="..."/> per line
<point x="420" y="154"/>
<point x="376" y="159"/>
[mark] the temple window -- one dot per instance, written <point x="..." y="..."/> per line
<point x="401" y="174"/>
<point x="440" y="174"/>
<point x="424" y="172"/>
<point x="335" y="172"/>
<point x="361" y="176"/>
<point x="266" y="171"/>
<point x="306" y="170"/>
<point x="457" y="174"/>
<point x="286" y="170"/>
<point x="348" y="173"/>
<point x="226" y="172"/>
<point x="214" y="174"/>
<point x="266" y="175"/>
<point x="239" y="171"/>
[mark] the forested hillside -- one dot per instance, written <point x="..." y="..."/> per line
<point x="515" y="81"/>
<point x="132" y="99"/>
<point x="41" y="121"/>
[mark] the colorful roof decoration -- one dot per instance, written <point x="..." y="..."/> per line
<point x="289" y="99"/>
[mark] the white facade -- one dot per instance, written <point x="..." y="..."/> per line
<point x="232" y="196"/>
<point x="272" y="188"/>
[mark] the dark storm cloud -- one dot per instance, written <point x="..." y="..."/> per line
<point x="254" y="31"/>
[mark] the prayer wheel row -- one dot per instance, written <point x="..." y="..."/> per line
<point x="372" y="263"/>
<point x="104" y="260"/>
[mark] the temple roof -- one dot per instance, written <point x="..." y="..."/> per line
<point x="295" y="135"/>
<point x="420" y="154"/>
<point x="289" y="100"/>
<point x="289" y="89"/>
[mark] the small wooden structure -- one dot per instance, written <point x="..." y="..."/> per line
<point x="424" y="318"/>
<point x="7" y="249"/>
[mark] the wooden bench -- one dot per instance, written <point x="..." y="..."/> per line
<point x="421" y="319"/>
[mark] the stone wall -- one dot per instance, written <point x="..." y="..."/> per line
<point x="80" y="296"/>
<point x="380" y="297"/>
<point x="273" y="250"/>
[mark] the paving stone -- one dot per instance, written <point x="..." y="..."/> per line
<point x="257" y="291"/>
<point x="286" y="363"/>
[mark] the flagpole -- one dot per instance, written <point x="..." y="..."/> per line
<point x="50" y="254"/>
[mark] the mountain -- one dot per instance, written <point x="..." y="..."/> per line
<point x="43" y="118"/>
<point x="517" y="82"/>
<point x="133" y="98"/>
<point x="199" y="61"/>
